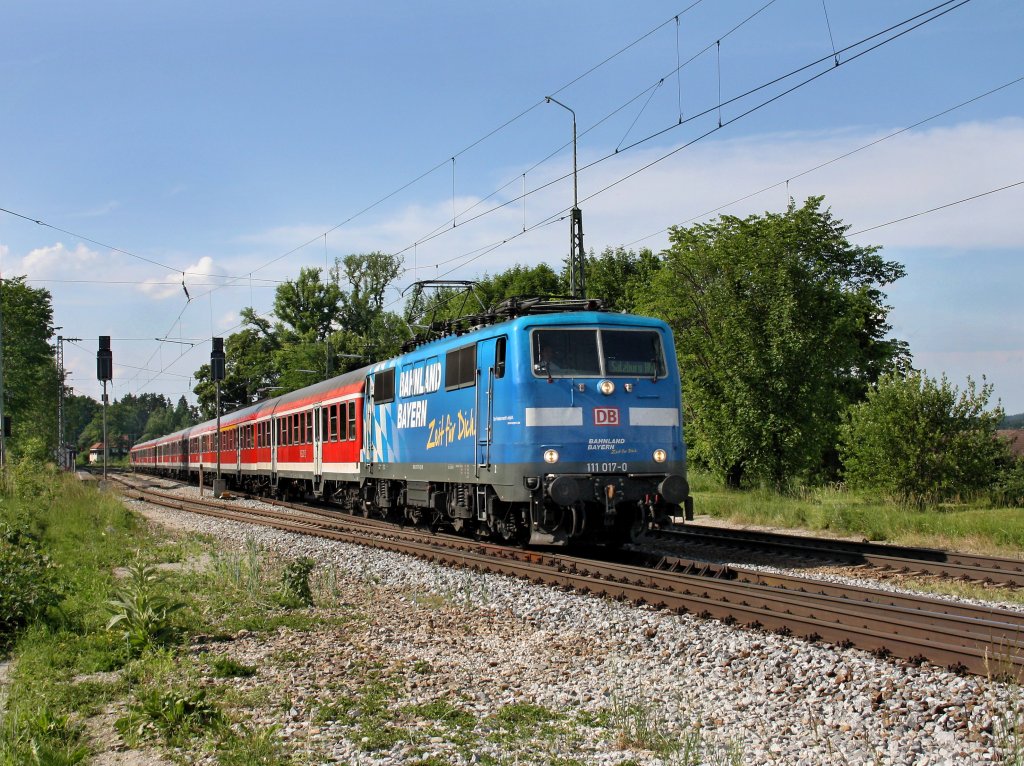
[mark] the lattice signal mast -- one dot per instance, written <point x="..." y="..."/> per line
<point x="63" y="453"/>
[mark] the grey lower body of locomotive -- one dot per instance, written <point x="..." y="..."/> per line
<point x="531" y="502"/>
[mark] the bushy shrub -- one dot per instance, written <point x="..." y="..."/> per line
<point x="922" y="440"/>
<point x="1009" y="488"/>
<point x="29" y="582"/>
<point x="28" y="479"/>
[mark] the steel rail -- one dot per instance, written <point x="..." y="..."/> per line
<point x="893" y="558"/>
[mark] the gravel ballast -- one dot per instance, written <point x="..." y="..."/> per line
<point x="604" y="682"/>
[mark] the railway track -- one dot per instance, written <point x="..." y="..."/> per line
<point x="894" y="559"/>
<point x="979" y="640"/>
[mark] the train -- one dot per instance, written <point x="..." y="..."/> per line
<point x="544" y="422"/>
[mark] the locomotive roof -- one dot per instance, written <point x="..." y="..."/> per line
<point x="325" y="388"/>
<point x="586" y="318"/>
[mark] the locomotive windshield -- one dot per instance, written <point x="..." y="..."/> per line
<point x="564" y="353"/>
<point x="633" y="352"/>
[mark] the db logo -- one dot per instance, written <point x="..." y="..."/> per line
<point x="606" y="416"/>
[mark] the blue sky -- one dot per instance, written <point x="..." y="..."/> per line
<point x="219" y="138"/>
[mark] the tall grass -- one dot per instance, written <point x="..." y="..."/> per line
<point x="91" y="540"/>
<point x="83" y="536"/>
<point x="973" y="524"/>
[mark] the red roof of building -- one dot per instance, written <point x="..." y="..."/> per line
<point x="1016" y="438"/>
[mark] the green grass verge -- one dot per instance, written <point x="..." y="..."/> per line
<point x="71" y="661"/>
<point x="974" y="526"/>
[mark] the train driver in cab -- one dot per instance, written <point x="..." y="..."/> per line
<point x="550" y="360"/>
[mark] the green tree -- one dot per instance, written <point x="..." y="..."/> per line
<point x="922" y="440"/>
<point x="30" y="370"/>
<point x="309" y="306"/>
<point x="129" y="420"/>
<point x="323" y="328"/>
<point x="79" y="411"/>
<point x="184" y="415"/>
<point x="250" y="372"/>
<point x="621" y="278"/>
<point x="780" y="324"/>
<point x="368" y="276"/>
<point x="160" y="422"/>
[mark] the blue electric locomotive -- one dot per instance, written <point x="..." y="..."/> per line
<point x="549" y="427"/>
<point x="542" y="422"/>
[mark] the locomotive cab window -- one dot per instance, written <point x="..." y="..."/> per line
<point x="499" y="356"/>
<point x="633" y="352"/>
<point x="384" y="386"/>
<point x="562" y="353"/>
<point x="460" y="368"/>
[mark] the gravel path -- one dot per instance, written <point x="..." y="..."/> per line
<point x="483" y="668"/>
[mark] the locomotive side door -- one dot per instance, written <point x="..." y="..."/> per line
<point x="490" y="355"/>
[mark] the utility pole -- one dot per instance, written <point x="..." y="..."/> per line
<point x="577" y="256"/>
<point x="62" y="451"/>
<point x="217" y="374"/>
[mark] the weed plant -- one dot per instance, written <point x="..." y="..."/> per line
<point x="176" y="715"/>
<point x="140" y="613"/>
<point x="30" y="583"/>
<point x="640" y="726"/>
<point x="295" y="582"/>
<point x="41" y="737"/>
<point x="226" y="667"/>
<point x="62" y="542"/>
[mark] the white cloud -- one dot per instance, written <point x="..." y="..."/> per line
<point x="58" y="262"/>
<point x="907" y="174"/>
<point x="228" y="321"/>
<point x="196" y="278"/>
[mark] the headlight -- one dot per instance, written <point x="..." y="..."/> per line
<point x="659" y="456"/>
<point x="606" y="387"/>
<point x="551" y="456"/>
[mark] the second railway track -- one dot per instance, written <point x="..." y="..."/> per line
<point x="895" y="559"/>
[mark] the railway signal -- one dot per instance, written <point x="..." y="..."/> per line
<point x="105" y="373"/>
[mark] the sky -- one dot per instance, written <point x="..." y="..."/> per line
<point x="228" y="145"/>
